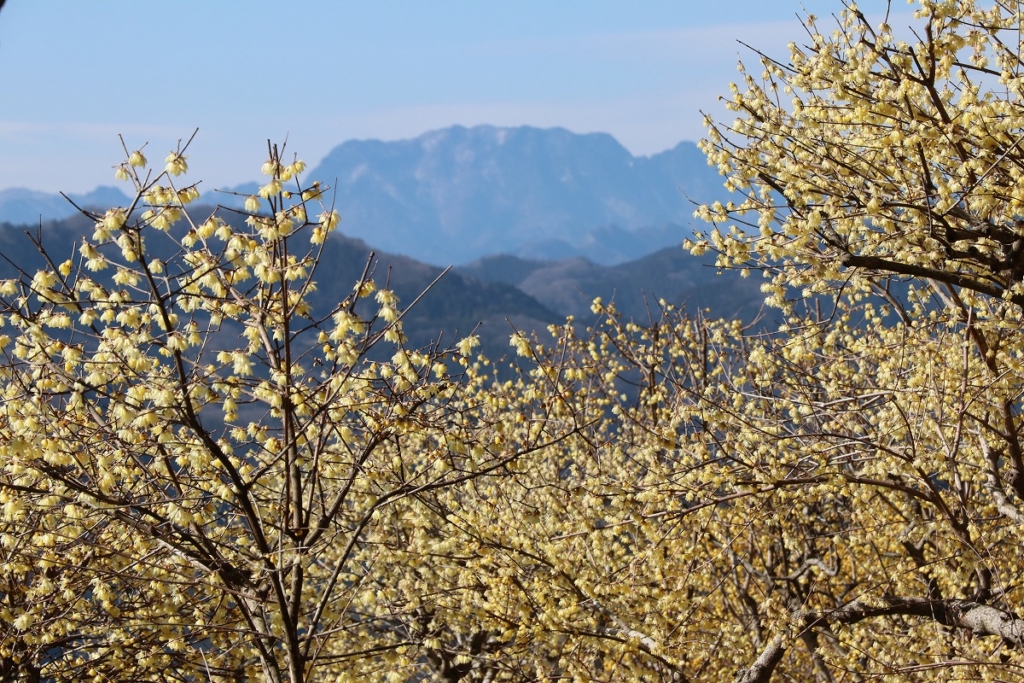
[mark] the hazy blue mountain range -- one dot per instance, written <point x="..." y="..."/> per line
<point x="455" y="305"/>
<point x="459" y="194"/>
<point x="19" y="206"/>
<point x="491" y="295"/>
<point x="569" y="286"/>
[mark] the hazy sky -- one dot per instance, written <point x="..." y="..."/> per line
<point x="75" y="74"/>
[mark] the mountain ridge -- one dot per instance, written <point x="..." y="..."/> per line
<point x="490" y="296"/>
<point x="22" y="206"/>
<point x="461" y="193"/>
<point x="457" y="194"/>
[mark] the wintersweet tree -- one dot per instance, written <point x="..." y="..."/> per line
<point x="838" y="500"/>
<point x="828" y="501"/>
<point x="204" y="477"/>
<point x="195" y="464"/>
<point x="874" y="157"/>
<point x="583" y="562"/>
<point x="866" y="154"/>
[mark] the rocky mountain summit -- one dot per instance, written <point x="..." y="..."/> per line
<point x="458" y="194"/>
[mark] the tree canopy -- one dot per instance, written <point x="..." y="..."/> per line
<point x="204" y="477"/>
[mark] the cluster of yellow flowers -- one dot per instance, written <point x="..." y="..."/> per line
<point x="207" y="475"/>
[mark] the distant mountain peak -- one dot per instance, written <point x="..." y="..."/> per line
<point x="458" y="193"/>
<point x="455" y="194"/>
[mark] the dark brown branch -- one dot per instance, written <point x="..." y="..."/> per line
<point x="958" y="279"/>
<point x="978" y="619"/>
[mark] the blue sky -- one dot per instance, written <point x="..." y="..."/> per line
<point x="74" y="74"/>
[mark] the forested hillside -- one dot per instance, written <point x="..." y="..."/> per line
<point x="494" y="296"/>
